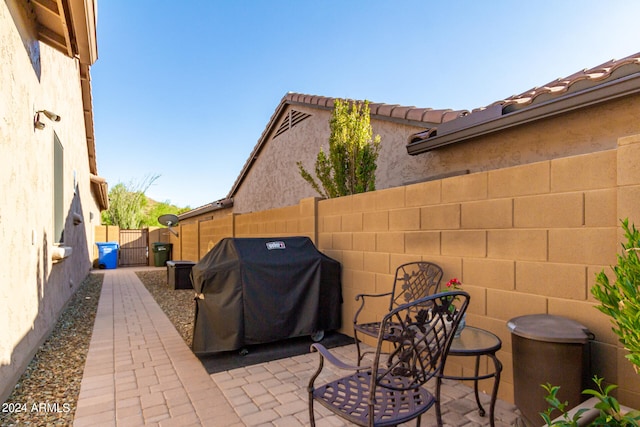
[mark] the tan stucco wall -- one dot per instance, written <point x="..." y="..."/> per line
<point x="33" y="290"/>
<point x="274" y="181"/>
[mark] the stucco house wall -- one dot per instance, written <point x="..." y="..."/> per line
<point x="34" y="287"/>
<point x="588" y="130"/>
<point x="271" y="179"/>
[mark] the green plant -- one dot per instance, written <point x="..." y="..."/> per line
<point x="556" y="404"/>
<point x="353" y="152"/>
<point x="127" y="204"/>
<point x="621" y="299"/>
<point x="610" y="413"/>
<point x="452" y="285"/>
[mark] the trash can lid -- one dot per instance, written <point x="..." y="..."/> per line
<point x="108" y="244"/>
<point x="549" y="328"/>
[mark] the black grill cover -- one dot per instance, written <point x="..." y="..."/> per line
<point x="260" y="290"/>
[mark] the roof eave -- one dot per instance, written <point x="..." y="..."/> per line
<point x="68" y="26"/>
<point x="618" y="88"/>
<point x="84" y="18"/>
<point x="256" y="151"/>
<point x="100" y="191"/>
<point x="211" y="207"/>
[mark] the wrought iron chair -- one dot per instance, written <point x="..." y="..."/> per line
<point x="413" y="280"/>
<point x="390" y="391"/>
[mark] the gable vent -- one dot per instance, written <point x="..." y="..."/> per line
<point x="293" y="118"/>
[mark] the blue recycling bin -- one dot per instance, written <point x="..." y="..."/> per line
<point x="108" y="254"/>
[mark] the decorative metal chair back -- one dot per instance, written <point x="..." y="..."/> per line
<point x="415" y="280"/>
<point x="389" y="392"/>
<point x="421" y="333"/>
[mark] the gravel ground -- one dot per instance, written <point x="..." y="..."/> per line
<point x="54" y="375"/>
<point x="47" y="392"/>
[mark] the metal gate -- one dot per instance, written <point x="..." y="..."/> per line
<point x="134" y="247"/>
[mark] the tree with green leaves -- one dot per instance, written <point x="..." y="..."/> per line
<point x="155" y="209"/>
<point x="130" y="208"/>
<point x="127" y="204"/>
<point x="350" y="166"/>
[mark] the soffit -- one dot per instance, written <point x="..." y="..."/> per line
<point x="68" y="26"/>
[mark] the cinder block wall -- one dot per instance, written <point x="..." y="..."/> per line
<point x="297" y="220"/>
<point x="212" y="231"/>
<point x="523" y="240"/>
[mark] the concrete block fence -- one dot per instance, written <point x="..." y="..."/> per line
<point x="523" y="240"/>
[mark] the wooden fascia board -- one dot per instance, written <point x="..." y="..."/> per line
<point x="83" y="16"/>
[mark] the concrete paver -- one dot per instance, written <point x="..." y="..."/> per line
<point x="140" y="372"/>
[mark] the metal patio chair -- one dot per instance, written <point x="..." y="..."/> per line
<point x="390" y="391"/>
<point x="413" y="280"/>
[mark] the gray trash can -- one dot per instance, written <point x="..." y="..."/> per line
<point x="548" y="349"/>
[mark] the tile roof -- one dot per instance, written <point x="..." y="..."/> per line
<point x="426" y="117"/>
<point x="579" y="83"/>
<point x="380" y="110"/>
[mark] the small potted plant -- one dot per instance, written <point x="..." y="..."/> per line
<point x="452" y="285"/>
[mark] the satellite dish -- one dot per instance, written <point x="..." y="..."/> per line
<point x="169" y="220"/>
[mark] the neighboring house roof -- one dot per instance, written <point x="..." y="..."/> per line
<point x="209" y="207"/>
<point x="423" y="117"/>
<point x="70" y="27"/>
<point x="608" y="81"/>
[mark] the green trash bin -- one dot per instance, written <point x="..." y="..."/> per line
<point x="161" y="253"/>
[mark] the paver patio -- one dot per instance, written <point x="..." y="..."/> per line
<point x="139" y="371"/>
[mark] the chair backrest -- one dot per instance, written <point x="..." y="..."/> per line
<point x="413" y="281"/>
<point x="421" y="333"/>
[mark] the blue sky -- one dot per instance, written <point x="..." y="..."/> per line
<point x="184" y="89"/>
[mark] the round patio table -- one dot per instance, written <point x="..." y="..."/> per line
<point x="477" y="342"/>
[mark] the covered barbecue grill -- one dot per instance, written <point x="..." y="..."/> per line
<point x="260" y="290"/>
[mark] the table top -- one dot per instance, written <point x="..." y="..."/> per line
<point x="474" y="341"/>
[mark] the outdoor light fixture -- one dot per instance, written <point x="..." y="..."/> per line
<point x="50" y="115"/>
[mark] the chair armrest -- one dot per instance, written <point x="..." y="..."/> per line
<point x="326" y="354"/>
<point x="361" y="297"/>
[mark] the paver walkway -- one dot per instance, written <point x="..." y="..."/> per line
<point x="139" y="371"/>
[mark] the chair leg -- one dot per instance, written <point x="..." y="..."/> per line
<point x="355" y="337"/>
<point x="312" y="419"/>
<point x="438" y="409"/>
